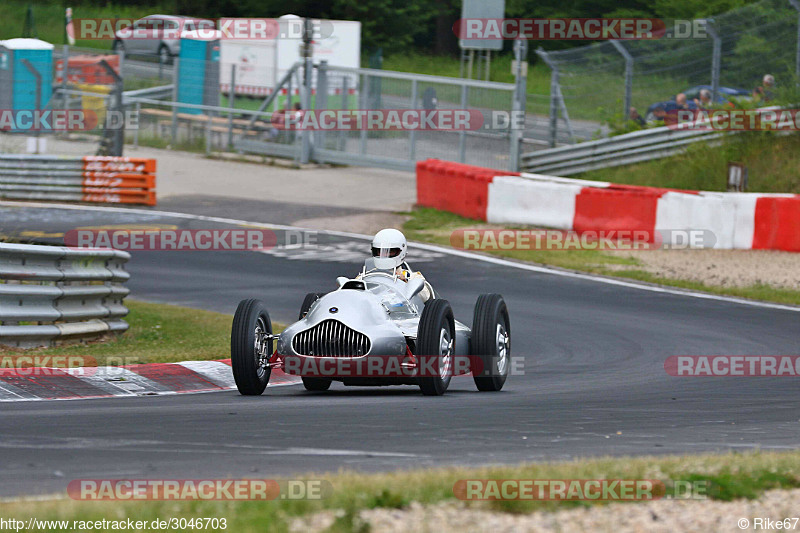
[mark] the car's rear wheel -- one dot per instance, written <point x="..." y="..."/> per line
<point x="436" y="342"/>
<point x="490" y="343"/>
<point x="251" y="348"/>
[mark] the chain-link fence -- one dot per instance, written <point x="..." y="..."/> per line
<point x="601" y="81"/>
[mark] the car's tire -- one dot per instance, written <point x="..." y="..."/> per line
<point x="249" y="348"/>
<point x="491" y="342"/>
<point x="118" y="46"/>
<point x="164" y="55"/>
<point x="310" y="298"/>
<point x="436" y="341"/>
<point x="316" y="384"/>
<point x="313" y="384"/>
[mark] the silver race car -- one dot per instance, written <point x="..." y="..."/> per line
<point x="374" y="330"/>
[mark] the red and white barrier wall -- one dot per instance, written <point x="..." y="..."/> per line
<point x="737" y="220"/>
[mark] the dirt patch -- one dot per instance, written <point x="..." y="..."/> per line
<point x="722" y="268"/>
<point x="663" y="516"/>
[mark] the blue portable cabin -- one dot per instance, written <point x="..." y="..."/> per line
<point x="17" y="82"/>
<point x="198" y="72"/>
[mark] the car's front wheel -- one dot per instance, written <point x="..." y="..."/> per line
<point x="436" y="342"/>
<point x="490" y="343"/>
<point x="251" y="347"/>
<point x="164" y="55"/>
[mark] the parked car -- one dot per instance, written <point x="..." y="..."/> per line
<point x="158" y="35"/>
<point x="658" y="110"/>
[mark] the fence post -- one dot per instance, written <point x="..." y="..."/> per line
<point x="412" y="137"/>
<point x="462" y="135"/>
<point x="175" y="77"/>
<point x="345" y="105"/>
<point x="305" y="91"/>
<point x="364" y="105"/>
<point x="136" y="131"/>
<point x="554" y="92"/>
<point x="65" y="70"/>
<point x="518" y="103"/>
<point x="796" y="5"/>
<point x="321" y="102"/>
<point x="716" y="59"/>
<point x="628" y="77"/>
<point x="231" y="104"/>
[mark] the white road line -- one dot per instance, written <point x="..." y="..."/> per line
<point x="431" y="247"/>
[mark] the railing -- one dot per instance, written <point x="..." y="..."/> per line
<point x="624" y="149"/>
<point x="53" y="293"/>
<point x="119" y="180"/>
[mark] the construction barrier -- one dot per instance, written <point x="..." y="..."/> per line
<point x="102" y="179"/>
<point x="736" y="220"/>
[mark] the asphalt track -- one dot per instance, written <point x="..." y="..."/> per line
<point x="593" y="380"/>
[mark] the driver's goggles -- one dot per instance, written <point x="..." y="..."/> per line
<point x="385" y="252"/>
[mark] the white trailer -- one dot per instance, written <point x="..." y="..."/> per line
<point x="260" y="64"/>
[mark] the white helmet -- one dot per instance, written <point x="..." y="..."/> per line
<point x="389" y="249"/>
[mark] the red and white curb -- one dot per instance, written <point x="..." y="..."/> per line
<point x="126" y="381"/>
<point x="755" y="221"/>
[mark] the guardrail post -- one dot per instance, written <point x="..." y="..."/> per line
<point x="716" y="58"/>
<point x="796" y="5"/>
<point x="628" y="77"/>
<point x="231" y="104"/>
<point x="174" y="125"/>
<point x="554" y="92"/>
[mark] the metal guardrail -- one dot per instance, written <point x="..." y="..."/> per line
<point x="626" y="149"/>
<point x="121" y="180"/>
<point x="53" y="293"/>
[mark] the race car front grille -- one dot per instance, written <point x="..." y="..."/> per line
<point x="331" y="338"/>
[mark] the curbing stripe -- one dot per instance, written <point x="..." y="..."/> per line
<point x="186" y="377"/>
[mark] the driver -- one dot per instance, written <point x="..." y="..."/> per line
<point x="389" y="250"/>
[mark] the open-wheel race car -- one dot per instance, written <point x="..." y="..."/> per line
<point x="374" y="330"/>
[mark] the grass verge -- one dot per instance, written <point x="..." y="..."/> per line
<point x="772" y="161"/>
<point x="158" y="333"/>
<point x="434" y="226"/>
<point x="727" y="477"/>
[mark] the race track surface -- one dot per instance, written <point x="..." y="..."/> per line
<point x="593" y="383"/>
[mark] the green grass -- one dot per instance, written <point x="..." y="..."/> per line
<point x="434" y="226"/>
<point x="158" y="333"/>
<point x="727" y="476"/>
<point x="49" y="18"/>
<point x="773" y="162"/>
